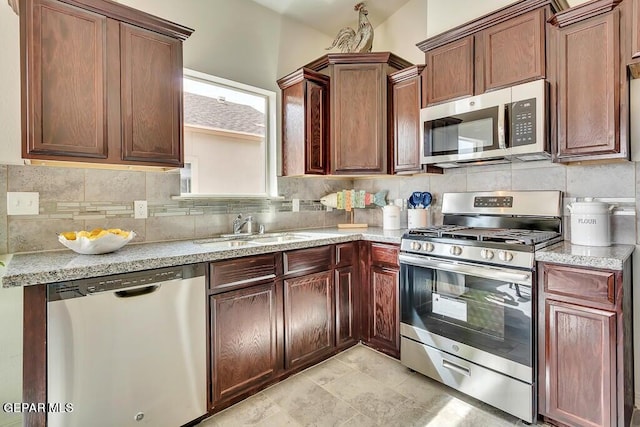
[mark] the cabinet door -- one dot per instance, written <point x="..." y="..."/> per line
<point x="345" y="306"/>
<point x="243" y="340"/>
<point x="309" y="318"/>
<point x="64" y="81"/>
<point x="151" y="96"/>
<point x="514" y="51"/>
<point x="316" y="128"/>
<point x="359" y="142"/>
<point x="450" y="71"/>
<point x="405" y="124"/>
<point x="588" y="88"/>
<point x="580" y="369"/>
<point x="384" y="322"/>
<point x="305" y="110"/>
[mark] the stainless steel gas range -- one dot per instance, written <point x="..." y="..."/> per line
<point x="468" y="294"/>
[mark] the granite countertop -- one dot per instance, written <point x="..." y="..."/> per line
<point x="609" y="257"/>
<point x="56" y="266"/>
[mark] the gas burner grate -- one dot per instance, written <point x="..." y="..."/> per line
<point x="525" y="237"/>
<point x="436" y="230"/>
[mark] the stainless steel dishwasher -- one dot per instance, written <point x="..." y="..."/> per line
<point x="129" y="349"/>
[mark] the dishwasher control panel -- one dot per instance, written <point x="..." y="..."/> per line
<point x="85" y="287"/>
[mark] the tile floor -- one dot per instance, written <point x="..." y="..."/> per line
<point x="360" y="387"/>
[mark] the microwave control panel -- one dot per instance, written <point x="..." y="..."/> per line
<point x="523" y="122"/>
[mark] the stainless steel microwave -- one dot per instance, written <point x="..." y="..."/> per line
<point x="497" y="126"/>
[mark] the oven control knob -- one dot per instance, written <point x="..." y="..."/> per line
<point x="427" y="246"/>
<point x="415" y="246"/>
<point x="505" y="256"/>
<point x="455" y="250"/>
<point x="486" y="254"/>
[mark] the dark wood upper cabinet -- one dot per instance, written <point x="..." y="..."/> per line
<point x="305" y="113"/>
<point x="514" y="51"/>
<point x="101" y="82"/>
<point x="405" y="88"/>
<point x="335" y="114"/>
<point x="450" y="71"/>
<point x="589" y="87"/>
<point x="358" y="143"/>
<point x="65" y="112"/>
<point x="151" y="88"/>
<point x="584" y="344"/>
<point x="500" y="49"/>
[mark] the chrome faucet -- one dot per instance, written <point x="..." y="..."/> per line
<point x="239" y="222"/>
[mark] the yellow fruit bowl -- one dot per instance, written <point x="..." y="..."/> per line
<point x="97" y="241"/>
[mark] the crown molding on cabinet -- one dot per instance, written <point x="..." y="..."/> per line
<point x="582" y="12"/>
<point x="489" y="20"/>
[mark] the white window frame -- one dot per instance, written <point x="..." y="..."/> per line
<point x="271" y="190"/>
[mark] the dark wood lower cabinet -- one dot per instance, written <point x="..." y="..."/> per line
<point x="380" y="301"/>
<point x="346" y="333"/>
<point x="244" y="340"/>
<point x="385" y="322"/>
<point x="585" y="369"/>
<point x="581" y="364"/>
<point x="309" y="318"/>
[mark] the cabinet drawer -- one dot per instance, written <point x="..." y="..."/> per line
<point x="307" y="259"/>
<point x="590" y="285"/>
<point x="345" y="254"/>
<point x="384" y="255"/>
<point x="241" y="271"/>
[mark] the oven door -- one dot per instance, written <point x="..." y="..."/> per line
<point x="477" y="312"/>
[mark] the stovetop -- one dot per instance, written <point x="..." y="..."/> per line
<point x="498" y="235"/>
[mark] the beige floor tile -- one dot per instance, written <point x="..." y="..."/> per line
<point x="383" y="368"/>
<point x="309" y="404"/>
<point x="249" y="412"/>
<point x="356" y="389"/>
<point x="279" y="419"/>
<point x="328" y="371"/>
<point x="368" y="396"/>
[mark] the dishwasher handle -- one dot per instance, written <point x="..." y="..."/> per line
<point x="137" y="292"/>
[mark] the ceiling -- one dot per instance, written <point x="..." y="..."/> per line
<point x="329" y="16"/>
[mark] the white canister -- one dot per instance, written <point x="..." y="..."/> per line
<point x="590" y="223"/>
<point x="391" y="217"/>
<point x="417" y="218"/>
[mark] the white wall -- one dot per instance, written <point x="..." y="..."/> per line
<point x="9" y="86"/>
<point x="402" y="31"/>
<point x="239" y="39"/>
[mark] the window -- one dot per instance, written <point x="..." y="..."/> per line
<point x="229" y="138"/>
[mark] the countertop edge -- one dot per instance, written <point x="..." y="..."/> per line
<point x="27" y="269"/>
<point x="606" y="257"/>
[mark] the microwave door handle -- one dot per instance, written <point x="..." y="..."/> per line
<point x="502" y="111"/>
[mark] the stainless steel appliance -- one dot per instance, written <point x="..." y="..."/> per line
<point x="128" y="350"/>
<point x="496" y="126"/>
<point x="468" y="295"/>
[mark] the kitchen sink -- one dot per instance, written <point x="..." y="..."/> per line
<point x="256" y="239"/>
<point x="285" y="238"/>
<point x="226" y="243"/>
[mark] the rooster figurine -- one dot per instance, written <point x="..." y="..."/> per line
<point x="349" y="41"/>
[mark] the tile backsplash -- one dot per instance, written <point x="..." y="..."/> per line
<point x="74" y="199"/>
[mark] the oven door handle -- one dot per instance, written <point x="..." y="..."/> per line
<point x="488" y="272"/>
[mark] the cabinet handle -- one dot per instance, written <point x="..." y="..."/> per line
<point x="456" y="368"/>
